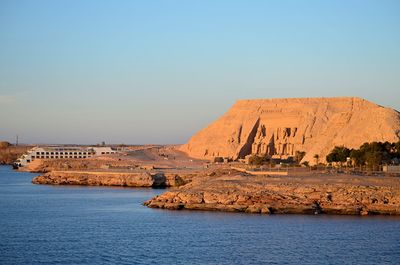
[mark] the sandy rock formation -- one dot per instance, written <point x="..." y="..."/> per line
<point x="87" y="178"/>
<point x="301" y="195"/>
<point x="280" y="127"/>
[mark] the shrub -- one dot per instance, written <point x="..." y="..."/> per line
<point x="257" y="160"/>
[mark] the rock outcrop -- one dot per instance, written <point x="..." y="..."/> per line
<point x="280" y="127"/>
<point x="143" y="179"/>
<point x="345" y="194"/>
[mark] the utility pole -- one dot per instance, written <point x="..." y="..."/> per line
<point x="16" y="142"/>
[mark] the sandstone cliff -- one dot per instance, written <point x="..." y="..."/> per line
<point x="280" y="127"/>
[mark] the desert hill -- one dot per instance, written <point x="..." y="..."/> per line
<point x="280" y="127"/>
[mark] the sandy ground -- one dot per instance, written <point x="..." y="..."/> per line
<point x="164" y="156"/>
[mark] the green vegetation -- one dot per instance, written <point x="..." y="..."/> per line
<point x="369" y="154"/>
<point x="256" y="160"/>
<point x="338" y="154"/>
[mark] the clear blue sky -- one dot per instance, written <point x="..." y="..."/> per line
<point x="158" y="71"/>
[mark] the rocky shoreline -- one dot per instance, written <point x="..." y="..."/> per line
<point x="233" y="191"/>
<point x="220" y="187"/>
<point x="135" y="179"/>
<point x="346" y="195"/>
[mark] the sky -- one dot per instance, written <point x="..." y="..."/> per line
<point x="138" y="72"/>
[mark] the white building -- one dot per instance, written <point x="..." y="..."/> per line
<point x="62" y="152"/>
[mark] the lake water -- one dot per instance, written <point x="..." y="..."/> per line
<point x="42" y="224"/>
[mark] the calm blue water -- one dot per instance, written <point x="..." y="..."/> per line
<point x="99" y="225"/>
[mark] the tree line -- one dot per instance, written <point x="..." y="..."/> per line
<point x="369" y="154"/>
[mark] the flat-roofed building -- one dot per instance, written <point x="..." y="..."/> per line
<point x="62" y="152"/>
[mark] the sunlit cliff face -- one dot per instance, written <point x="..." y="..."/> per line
<point x="281" y="127"/>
